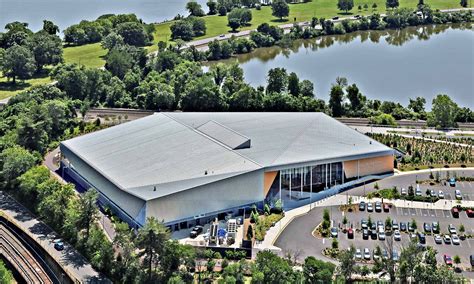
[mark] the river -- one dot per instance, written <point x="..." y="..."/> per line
<point x="387" y="65"/>
<point x="67" y="12"/>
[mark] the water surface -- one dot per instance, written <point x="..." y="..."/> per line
<point x="67" y="12"/>
<point x="386" y="65"/>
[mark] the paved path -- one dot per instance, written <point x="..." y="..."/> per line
<point x="75" y="265"/>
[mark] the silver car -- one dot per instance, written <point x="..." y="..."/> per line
<point x="441" y="194"/>
<point x="455" y="240"/>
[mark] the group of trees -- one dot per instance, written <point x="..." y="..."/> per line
<point x="24" y="53"/>
<point x="188" y="28"/>
<point x="131" y="29"/>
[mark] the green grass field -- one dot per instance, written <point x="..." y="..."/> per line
<point x="8" y="90"/>
<point x="91" y="55"/>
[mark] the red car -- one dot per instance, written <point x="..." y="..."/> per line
<point x="448" y="260"/>
<point x="470" y="213"/>
<point x="386" y="207"/>
<point x="350" y="233"/>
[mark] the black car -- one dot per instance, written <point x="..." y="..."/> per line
<point x="471" y="258"/>
<point x="421" y="238"/>
<point x="365" y="234"/>
<point x="362" y="206"/>
<point x="59" y="245"/>
<point x="373" y="234"/>
<point x="427" y="227"/>
<point x="403" y="226"/>
<point x="195" y="231"/>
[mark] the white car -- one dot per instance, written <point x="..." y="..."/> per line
<point x="432" y="193"/>
<point x="457" y="193"/>
<point x="447" y="239"/>
<point x="452" y="229"/>
<point x="358" y="254"/>
<point x="382" y="236"/>
<point x="367" y="254"/>
<point x="370" y="207"/>
<point x="441" y="194"/>
<point x="404" y="191"/>
<point x="438" y="239"/>
<point x="455" y="239"/>
<point x="397" y="236"/>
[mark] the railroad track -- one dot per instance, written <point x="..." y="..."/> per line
<point x="21" y="258"/>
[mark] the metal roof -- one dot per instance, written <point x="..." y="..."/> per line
<point x="169" y="152"/>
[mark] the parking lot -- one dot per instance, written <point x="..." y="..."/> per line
<point x="405" y="180"/>
<point x="297" y="236"/>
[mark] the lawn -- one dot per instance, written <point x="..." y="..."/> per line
<point x="92" y="55"/>
<point x="7" y="89"/>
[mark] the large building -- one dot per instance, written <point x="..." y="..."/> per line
<point x="187" y="168"/>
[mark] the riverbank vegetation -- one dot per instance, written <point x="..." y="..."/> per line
<point x="421" y="153"/>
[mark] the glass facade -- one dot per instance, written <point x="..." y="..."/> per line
<point x="297" y="186"/>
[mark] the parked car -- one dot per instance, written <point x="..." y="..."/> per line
<point x="386" y="207"/>
<point x="363" y="224"/>
<point x="381" y="235"/>
<point x="455" y="212"/>
<point x="350" y="233"/>
<point x="334" y="232"/>
<point x="373" y="234"/>
<point x="384" y="254"/>
<point x="403" y="226"/>
<point x="378" y="206"/>
<point x="458" y="195"/>
<point x="441" y="194"/>
<point x="365" y="234"/>
<point x="410" y="227"/>
<point x="370" y="207"/>
<point x="380" y="224"/>
<point x="394" y="225"/>
<point x="404" y="191"/>
<point x="452" y="229"/>
<point x="358" y="254"/>
<point x="433" y="193"/>
<point x="418" y="192"/>
<point x="470" y="213"/>
<point x="335" y="18"/>
<point x="427" y="227"/>
<point x="455" y="239"/>
<point x="421" y="238"/>
<point x="435" y="227"/>
<point x="58" y="245"/>
<point x="452" y="182"/>
<point x="367" y="255"/>
<point x="375" y="255"/>
<point x="438" y="239"/>
<point x="471" y="259"/>
<point x="362" y="206"/>
<point x="447" y="259"/>
<point x="397" y="236"/>
<point x="447" y="239"/>
<point x="195" y="231"/>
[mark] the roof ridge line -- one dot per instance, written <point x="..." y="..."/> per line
<point x="226" y="127"/>
<point x="214" y="140"/>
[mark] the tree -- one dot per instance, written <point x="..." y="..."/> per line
<point x="355" y="97"/>
<point x="347" y="263"/>
<point x="374" y="6"/>
<point x="345" y="5"/>
<point x="14" y="162"/>
<point x="134" y="33"/>
<point x="277" y="80"/>
<point x="118" y="62"/>
<point x="280" y="9"/>
<point x="88" y="212"/>
<point x="212" y="5"/>
<point x="293" y="84"/>
<point x="202" y="95"/>
<point x="307" y="89"/>
<point x="234" y="24"/>
<point x="250" y="232"/>
<point x="50" y="27"/>
<point x="126" y="269"/>
<point x="195" y="9"/>
<point x="417" y="105"/>
<point x="443" y="112"/>
<point x="392" y="4"/>
<point x="463" y="3"/>
<point x="6" y="276"/>
<point x="112" y="40"/>
<point x="335" y="100"/>
<point x="246" y="99"/>
<point x="317" y="271"/>
<point x="47" y="49"/>
<point x="182" y="29"/>
<point x="29" y="182"/>
<point x="151" y="240"/>
<point x="18" y="62"/>
<point x="243" y="15"/>
<point x="274" y="268"/>
<point x="54" y="200"/>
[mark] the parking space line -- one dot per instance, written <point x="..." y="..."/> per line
<point x="432" y="213"/>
